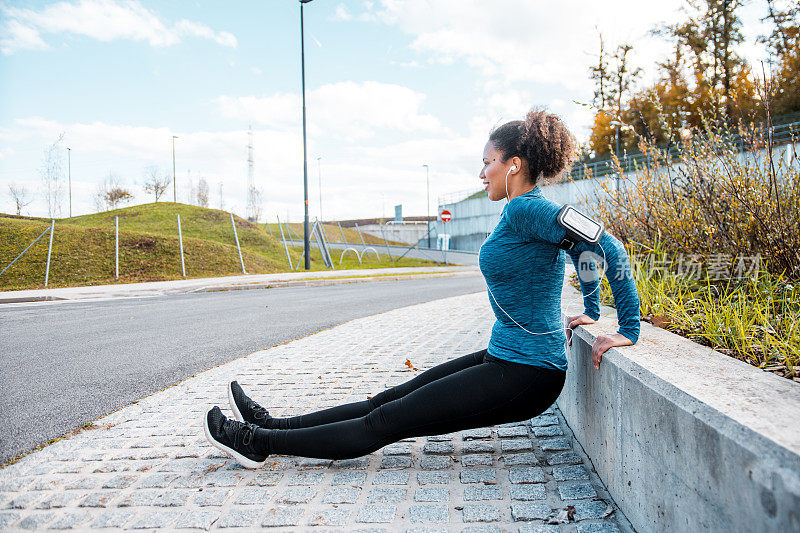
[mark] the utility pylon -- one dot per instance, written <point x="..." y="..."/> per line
<point x="251" y="188"/>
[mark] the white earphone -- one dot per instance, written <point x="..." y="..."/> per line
<point x="513" y="167"/>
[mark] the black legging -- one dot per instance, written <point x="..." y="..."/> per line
<point x="472" y="391"/>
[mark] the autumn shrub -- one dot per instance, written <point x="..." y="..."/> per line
<point x="714" y="239"/>
<point x="714" y="200"/>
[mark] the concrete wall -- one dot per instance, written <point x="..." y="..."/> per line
<point x="475" y="218"/>
<point x="685" y="438"/>
<point x="408" y="232"/>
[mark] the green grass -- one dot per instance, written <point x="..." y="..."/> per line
<point x="83" y="248"/>
<point x="755" y="319"/>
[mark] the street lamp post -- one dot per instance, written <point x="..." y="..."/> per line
<point x="428" y="197"/>
<point x="174" y="188"/>
<point x="69" y="178"/>
<point x="319" y="173"/>
<point x="306" y="241"/>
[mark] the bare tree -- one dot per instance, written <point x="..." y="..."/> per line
<point x="785" y="35"/>
<point x="191" y="191"/>
<point x="255" y="200"/>
<point x="52" y="174"/>
<point x="601" y="76"/>
<point x="111" y="193"/>
<point x="622" y="77"/>
<point x="202" y="192"/>
<point x="20" y="196"/>
<point x="155" y="182"/>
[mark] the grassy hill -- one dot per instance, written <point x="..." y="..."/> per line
<point x="83" y="247"/>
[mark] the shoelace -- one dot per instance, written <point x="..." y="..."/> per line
<point x="241" y="431"/>
<point x="259" y="413"/>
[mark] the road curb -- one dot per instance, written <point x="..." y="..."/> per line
<point x="334" y="281"/>
<point x="248" y="286"/>
<point x="25" y="299"/>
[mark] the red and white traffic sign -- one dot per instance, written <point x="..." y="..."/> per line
<point x="445" y="215"/>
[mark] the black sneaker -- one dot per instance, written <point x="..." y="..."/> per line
<point x="245" y="409"/>
<point x="233" y="437"/>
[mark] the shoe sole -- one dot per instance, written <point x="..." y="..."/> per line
<point x="241" y="459"/>
<point x="236" y="414"/>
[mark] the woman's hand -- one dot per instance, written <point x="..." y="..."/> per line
<point x="575" y="321"/>
<point x="604" y="342"/>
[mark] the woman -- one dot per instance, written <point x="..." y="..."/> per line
<point x="522" y="371"/>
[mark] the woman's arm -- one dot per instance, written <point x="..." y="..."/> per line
<point x="586" y="269"/>
<point x="536" y="219"/>
<point x="620" y="278"/>
<point x="623" y="287"/>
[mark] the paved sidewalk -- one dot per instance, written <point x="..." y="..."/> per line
<point x="148" y="465"/>
<point x="251" y="281"/>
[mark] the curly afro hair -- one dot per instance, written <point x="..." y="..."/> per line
<point x="542" y="140"/>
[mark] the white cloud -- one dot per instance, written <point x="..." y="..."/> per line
<point x="512" y="41"/>
<point x="99" y="148"/>
<point x="525" y="52"/>
<point x="407" y="64"/>
<point x="196" y="29"/>
<point x="341" y="13"/>
<point x="345" y="109"/>
<point x="17" y="36"/>
<point x="355" y="177"/>
<point x="103" y="20"/>
<point x="279" y="109"/>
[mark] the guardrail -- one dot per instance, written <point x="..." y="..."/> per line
<point x="781" y="134"/>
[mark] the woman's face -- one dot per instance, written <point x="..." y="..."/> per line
<point x="494" y="172"/>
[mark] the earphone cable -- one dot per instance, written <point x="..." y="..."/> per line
<point x="495" y="299"/>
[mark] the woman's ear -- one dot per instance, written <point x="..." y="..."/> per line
<point x="516" y="163"/>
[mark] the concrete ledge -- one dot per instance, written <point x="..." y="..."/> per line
<point x="685" y="438"/>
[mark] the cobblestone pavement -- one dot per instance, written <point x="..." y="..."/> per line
<point x="148" y="465"/>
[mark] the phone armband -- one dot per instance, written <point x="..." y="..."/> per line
<point x="578" y="228"/>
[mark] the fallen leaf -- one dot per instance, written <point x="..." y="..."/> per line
<point x="562" y="516"/>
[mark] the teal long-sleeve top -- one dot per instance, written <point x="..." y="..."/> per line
<point x="524" y="271"/>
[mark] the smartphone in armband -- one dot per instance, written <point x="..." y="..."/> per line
<point x="578" y="228"/>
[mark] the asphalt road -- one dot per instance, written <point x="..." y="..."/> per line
<point x="65" y="364"/>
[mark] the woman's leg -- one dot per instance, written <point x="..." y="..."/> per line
<point x="359" y="409"/>
<point x="489" y="393"/>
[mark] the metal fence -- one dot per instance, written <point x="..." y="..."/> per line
<point x="781" y="134"/>
<point x="51" y="230"/>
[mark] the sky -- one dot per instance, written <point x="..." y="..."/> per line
<point x="391" y="85"/>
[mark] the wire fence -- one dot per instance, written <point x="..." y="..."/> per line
<point x="780" y="134"/>
<point x="51" y="230"/>
<point x="288" y="237"/>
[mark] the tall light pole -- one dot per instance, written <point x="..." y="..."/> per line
<point x="174" y="188"/>
<point x="69" y="177"/>
<point x="428" y="196"/>
<point x="319" y="172"/>
<point x="306" y="241"/>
